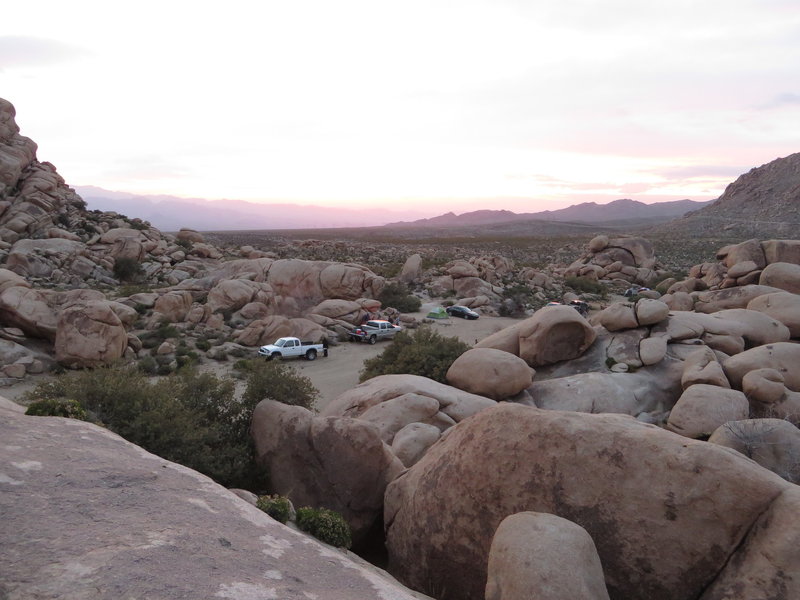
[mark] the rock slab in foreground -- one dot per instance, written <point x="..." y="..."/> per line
<point x="88" y="515"/>
<point x="665" y="512"/>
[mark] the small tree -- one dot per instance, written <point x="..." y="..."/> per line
<point x="425" y="353"/>
<point x="396" y="296"/>
<point x="127" y="269"/>
<point x="275" y="381"/>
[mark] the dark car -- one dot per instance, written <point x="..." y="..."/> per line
<point x="462" y="311"/>
<point x="581" y="306"/>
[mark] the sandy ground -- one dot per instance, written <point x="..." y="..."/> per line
<point x="338" y="372"/>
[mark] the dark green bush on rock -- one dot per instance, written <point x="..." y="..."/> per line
<point x="127" y="269"/>
<point x="277" y="507"/>
<point x="57" y="407"/>
<point x="325" y="525"/>
<point x="190" y="418"/>
<point x="275" y="381"/>
<point x="425" y="353"/>
<point x="396" y="295"/>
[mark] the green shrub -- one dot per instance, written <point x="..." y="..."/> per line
<point x="425" y="353"/>
<point x="139" y="224"/>
<point x="202" y="345"/>
<point x="148" y="365"/>
<point x="57" y="407"/>
<point x="183" y="243"/>
<point x="127" y="269"/>
<point x="277" y="507"/>
<point x="396" y="296"/>
<point x="275" y="381"/>
<point x="325" y="525"/>
<point x="584" y="285"/>
<point x="387" y="269"/>
<point x="190" y="418"/>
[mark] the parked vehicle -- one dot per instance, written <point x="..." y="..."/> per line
<point x="579" y="305"/>
<point x="374" y="330"/>
<point x="286" y="347"/>
<point x="462" y="311"/>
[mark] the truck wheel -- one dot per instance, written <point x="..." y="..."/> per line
<point x="311" y="354"/>
<point x="275" y="355"/>
<point x="372" y="339"/>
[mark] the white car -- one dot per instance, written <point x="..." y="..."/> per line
<point x="291" y="346"/>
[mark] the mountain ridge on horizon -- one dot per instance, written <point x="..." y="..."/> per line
<point x="616" y="210"/>
<point x="169" y="213"/>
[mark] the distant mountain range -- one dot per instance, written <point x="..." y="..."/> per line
<point x="625" y="210"/>
<point x="170" y="213"/>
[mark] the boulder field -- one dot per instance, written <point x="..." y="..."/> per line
<point x="671" y="518"/>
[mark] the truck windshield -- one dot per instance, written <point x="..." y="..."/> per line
<point x="281" y="343"/>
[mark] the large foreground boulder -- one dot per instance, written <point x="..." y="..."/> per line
<point x="334" y="462"/>
<point x="666" y="513"/>
<point x="88" y="515"/>
<point x="90" y="335"/>
<point x="545" y="556"/>
<point x="768" y="565"/>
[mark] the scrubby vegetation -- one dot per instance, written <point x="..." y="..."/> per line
<point x="275" y="381"/>
<point x="57" y="407"/>
<point x="425" y="352"/>
<point x="127" y="269"/>
<point x="396" y="295"/>
<point x="584" y="285"/>
<point x="189" y="417"/>
<point x="326" y="525"/>
<point x="277" y="507"/>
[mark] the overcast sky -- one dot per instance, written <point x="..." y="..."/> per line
<point x="432" y="105"/>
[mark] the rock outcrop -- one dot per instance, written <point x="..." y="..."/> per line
<point x="89" y="515"/>
<point x="667" y="514"/>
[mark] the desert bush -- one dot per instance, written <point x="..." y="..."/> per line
<point x="387" y="269"/>
<point x="183" y="243"/>
<point x="202" y="345"/>
<point x="584" y="285"/>
<point x="275" y="381"/>
<point x="165" y="331"/>
<point x="148" y="365"/>
<point x="277" y="507"/>
<point x="57" y="407"/>
<point x="517" y="298"/>
<point x="396" y="296"/>
<point x="190" y="418"/>
<point x="425" y="353"/>
<point x="127" y="269"/>
<point x="139" y="224"/>
<point x="326" y="525"/>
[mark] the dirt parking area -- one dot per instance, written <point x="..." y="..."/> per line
<point x="338" y="372"/>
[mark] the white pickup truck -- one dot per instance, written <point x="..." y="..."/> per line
<point x="374" y="330"/>
<point x="292" y="346"/>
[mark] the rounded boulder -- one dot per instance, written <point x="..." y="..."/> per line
<point x="489" y="372"/>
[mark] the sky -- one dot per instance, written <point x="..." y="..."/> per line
<point x="425" y="106"/>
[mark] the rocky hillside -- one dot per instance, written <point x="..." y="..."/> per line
<point x="763" y="202"/>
